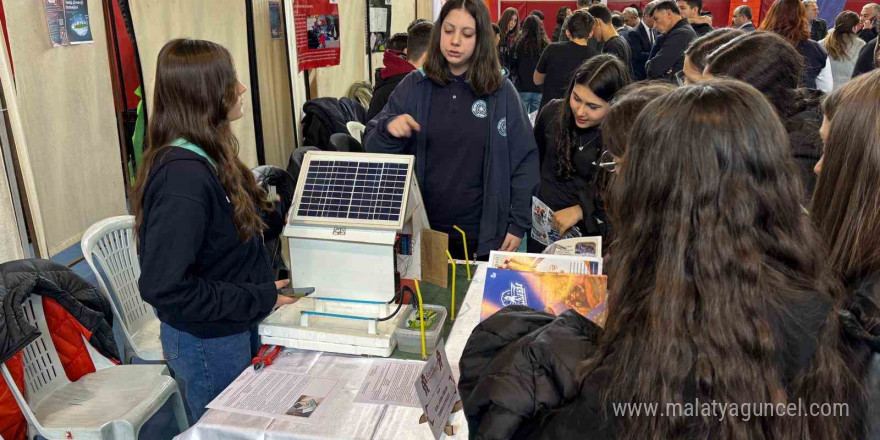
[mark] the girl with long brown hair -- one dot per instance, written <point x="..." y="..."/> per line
<point x="718" y="290"/>
<point x="526" y="52"/>
<point x="843" y="45"/>
<point x="476" y="159"/>
<point x="510" y="28"/>
<point x="569" y="141"/>
<point x="203" y="265"/>
<point x="788" y="19"/>
<point x="719" y="294"/>
<point x="768" y="63"/>
<point x="846" y="210"/>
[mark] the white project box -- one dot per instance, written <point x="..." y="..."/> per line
<point x="348" y="210"/>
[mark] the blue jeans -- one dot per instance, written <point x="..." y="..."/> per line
<point x="531" y="101"/>
<point x="206" y="366"/>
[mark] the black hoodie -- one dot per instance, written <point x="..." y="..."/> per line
<point x="201" y="278"/>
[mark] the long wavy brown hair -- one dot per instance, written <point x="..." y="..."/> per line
<point x="846" y="203"/>
<point x="195" y="89"/>
<point x="533" y="39"/>
<point x="788" y="19"/>
<point x="712" y="250"/>
<point x="768" y="63"/>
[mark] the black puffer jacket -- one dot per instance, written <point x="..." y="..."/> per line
<point x="519" y="363"/>
<point x="526" y="388"/>
<point x="21" y="278"/>
<point x="861" y="327"/>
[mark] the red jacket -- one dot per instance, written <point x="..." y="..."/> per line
<point x="80" y="311"/>
<point x="67" y="335"/>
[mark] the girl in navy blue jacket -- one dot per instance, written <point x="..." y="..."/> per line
<point x="476" y="158"/>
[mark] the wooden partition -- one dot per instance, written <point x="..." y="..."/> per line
<point x="275" y="107"/>
<point x="63" y="122"/>
<point x="10" y="241"/>
<point x="335" y="81"/>
<point x="221" y="21"/>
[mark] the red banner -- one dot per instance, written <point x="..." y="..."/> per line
<point x="317" y="33"/>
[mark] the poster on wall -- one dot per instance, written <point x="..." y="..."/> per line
<point x="55" y="20"/>
<point x="317" y="33"/>
<point x="275" y="28"/>
<point x="76" y="14"/>
<point x="380" y="25"/>
<point x="68" y="22"/>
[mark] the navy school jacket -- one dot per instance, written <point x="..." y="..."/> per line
<point x="510" y="167"/>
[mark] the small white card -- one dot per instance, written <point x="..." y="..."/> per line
<point x="437" y="390"/>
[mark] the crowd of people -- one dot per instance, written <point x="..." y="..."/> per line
<point x="734" y="179"/>
<point x="742" y="266"/>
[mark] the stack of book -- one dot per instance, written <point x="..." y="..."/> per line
<point x="551" y="282"/>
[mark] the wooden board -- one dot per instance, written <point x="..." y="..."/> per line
<point x="64" y="127"/>
<point x="435" y="264"/>
<point x="220" y="21"/>
<point x="10" y="241"/>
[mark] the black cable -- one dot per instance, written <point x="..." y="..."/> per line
<point x="398" y="294"/>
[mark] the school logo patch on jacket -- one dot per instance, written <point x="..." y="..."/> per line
<point x="480" y="109"/>
<point x="502" y="127"/>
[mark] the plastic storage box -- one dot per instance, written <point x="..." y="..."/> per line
<point x="410" y="340"/>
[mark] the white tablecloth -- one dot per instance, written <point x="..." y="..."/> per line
<point x="351" y="420"/>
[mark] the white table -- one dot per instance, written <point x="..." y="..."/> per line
<point x="352" y="420"/>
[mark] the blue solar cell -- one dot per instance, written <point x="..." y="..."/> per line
<point x="353" y="190"/>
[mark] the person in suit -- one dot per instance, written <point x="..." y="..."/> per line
<point x="742" y="19"/>
<point x="868" y="59"/>
<point x="640" y="40"/>
<point x="818" y="26"/>
<point x="630" y="17"/>
<point x="677" y="35"/>
<point x="870" y="16"/>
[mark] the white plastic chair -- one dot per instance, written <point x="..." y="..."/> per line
<point x="111" y="403"/>
<point x="356" y="130"/>
<point x="112" y="243"/>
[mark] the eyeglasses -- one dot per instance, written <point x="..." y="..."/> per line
<point x="606" y="162"/>
<point x="681" y="78"/>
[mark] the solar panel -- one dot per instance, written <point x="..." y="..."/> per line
<point x="348" y="189"/>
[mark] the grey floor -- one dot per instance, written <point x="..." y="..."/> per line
<point x="162" y="425"/>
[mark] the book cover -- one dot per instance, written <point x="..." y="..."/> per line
<point x="585" y="294"/>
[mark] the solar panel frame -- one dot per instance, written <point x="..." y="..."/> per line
<point x="343" y="189"/>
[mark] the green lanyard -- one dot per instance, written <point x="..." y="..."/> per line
<point x="187" y="145"/>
